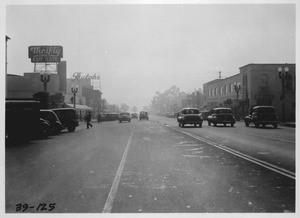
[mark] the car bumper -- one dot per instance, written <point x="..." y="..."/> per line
<point x="223" y="121"/>
<point x="268" y="122"/>
<point x="191" y="121"/>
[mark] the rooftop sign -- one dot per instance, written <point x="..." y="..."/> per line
<point x="45" y="53"/>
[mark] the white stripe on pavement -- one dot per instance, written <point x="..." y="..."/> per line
<point x="111" y="196"/>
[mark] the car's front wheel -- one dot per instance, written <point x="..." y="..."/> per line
<point x="200" y="125"/>
<point x="208" y="123"/>
<point x="232" y="124"/>
<point x="215" y="124"/>
<point x="275" y="126"/>
<point x="246" y="123"/>
<point x="71" y="128"/>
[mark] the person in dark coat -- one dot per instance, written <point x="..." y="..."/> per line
<point x="88" y="118"/>
<point x="99" y="118"/>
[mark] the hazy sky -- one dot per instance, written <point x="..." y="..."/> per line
<point x="140" y="49"/>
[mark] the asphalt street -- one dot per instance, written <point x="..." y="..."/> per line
<point x="154" y="167"/>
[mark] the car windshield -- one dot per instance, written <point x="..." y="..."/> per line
<point x="190" y="111"/>
<point x="223" y="111"/>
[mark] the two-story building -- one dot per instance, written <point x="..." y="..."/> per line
<point x="256" y="84"/>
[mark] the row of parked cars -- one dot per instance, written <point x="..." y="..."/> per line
<point x="259" y="116"/>
<point x="25" y="120"/>
<point x="59" y="119"/>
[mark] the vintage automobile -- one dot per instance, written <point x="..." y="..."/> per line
<point x="189" y="116"/>
<point x="143" y="115"/>
<point x="262" y="115"/>
<point x="67" y="117"/>
<point x="134" y="115"/>
<point x="124" y="116"/>
<point x="51" y="117"/>
<point x="221" y="116"/>
<point x="23" y="122"/>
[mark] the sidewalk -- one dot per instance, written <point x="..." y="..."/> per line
<point x="288" y="124"/>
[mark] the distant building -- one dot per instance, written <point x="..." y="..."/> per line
<point x="59" y="89"/>
<point x="30" y="83"/>
<point x="87" y="99"/>
<point x="259" y="85"/>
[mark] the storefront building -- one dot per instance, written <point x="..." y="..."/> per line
<point x="256" y="84"/>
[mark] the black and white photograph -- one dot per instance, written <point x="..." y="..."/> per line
<point x="163" y="108"/>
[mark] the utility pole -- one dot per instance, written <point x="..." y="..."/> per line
<point x="6" y="39"/>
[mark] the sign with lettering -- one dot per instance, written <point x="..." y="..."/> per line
<point x="79" y="76"/>
<point x="45" y="53"/>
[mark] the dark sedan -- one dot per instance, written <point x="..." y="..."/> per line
<point x="189" y="116"/>
<point x="51" y="117"/>
<point x="221" y="116"/>
<point x="262" y="115"/>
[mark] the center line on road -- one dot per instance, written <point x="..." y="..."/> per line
<point x="112" y="194"/>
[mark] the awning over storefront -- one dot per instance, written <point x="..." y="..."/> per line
<point x="80" y="107"/>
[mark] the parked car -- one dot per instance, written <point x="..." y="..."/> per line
<point x="262" y="115"/>
<point x="144" y="115"/>
<point x="45" y="129"/>
<point x="67" y="117"/>
<point x="22" y="121"/>
<point x="51" y="117"/>
<point x="221" y="116"/>
<point x="204" y="114"/>
<point x="124" y="116"/>
<point x="134" y="115"/>
<point x="189" y="116"/>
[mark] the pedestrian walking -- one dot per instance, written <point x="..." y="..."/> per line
<point x="99" y="118"/>
<point x="88" y="118"/>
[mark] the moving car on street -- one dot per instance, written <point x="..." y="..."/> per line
<point x="221" y="116"/>
<point x="262" y="115"/>
<point x="144" y="115"/>
<point x="67" y="117"/>
<point x="189" y="116"/>
<point x="124" y="116"/>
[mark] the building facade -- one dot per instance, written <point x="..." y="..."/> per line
<point x="256" y="84"/>
<point x="59" y="89"/>
<point x="30" y="83"/>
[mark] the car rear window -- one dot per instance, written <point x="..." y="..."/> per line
<point x="190" y="111"/>
<point x="223" y="111"/>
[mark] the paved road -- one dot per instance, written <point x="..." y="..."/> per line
<point x="143" y="167"/>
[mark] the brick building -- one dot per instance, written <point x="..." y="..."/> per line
<point x="257" y="84"/>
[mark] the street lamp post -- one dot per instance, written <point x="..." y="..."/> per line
<point x="74" y="90"/>
<point x="45" y="78"/>
<point x="237" y="88"/>
<point x="283" y="77"/>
